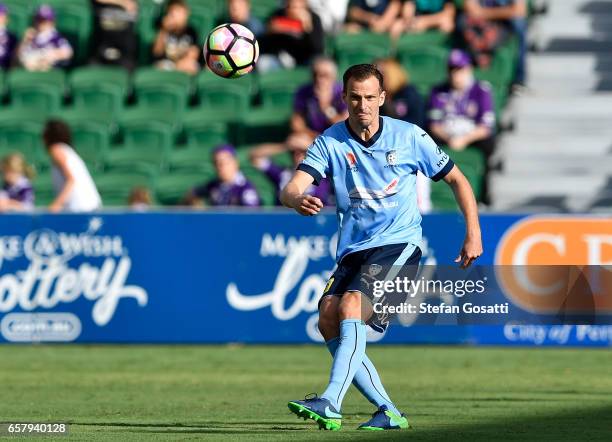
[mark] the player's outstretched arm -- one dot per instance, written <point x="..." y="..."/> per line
<point x="472" y="244"/>
<point x="293" y="196"/>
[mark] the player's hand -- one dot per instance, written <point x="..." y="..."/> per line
<point x="308" y="205"/>
<point x="472" y="249"/>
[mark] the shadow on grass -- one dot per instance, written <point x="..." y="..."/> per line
<point x="586" y="424"/>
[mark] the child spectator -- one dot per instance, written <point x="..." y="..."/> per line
<point x="140" y="199"/>
<point x="17" y="193"/>
<point x="176" y="45"/>
<point x="423" y="15"/>
<point x="294" y="35"/>
<point x="239" y="11"/>
<point x="42" y="46"/>
<point x="7" y="39"/>
<point x="230" y="188"/>
<point x="114" y="33"/>
<point x="378" y="16"/>
<point x="402" y="100"/>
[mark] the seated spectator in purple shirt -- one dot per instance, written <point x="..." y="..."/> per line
<point x="461" y="112"/>
<point x="17" y="193"/>
<point x="42" y="46"/>
<point x="239" y="11"/>
<point x="280" y="176"/>
<point x="317" y="105"/>
<point x="7" y="39"/>
<point x="230" y="188"/>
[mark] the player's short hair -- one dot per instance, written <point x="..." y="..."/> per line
<point x="360" y="72"/>
<point x="56" y="131"/>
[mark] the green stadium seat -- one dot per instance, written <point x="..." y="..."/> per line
<point x="127" y="159"/>
<point x="261" y="125"/>
<point x="277" y="89"/>
<point x="171" y="189"/>
<point x="363" y="47"/>
<point x="423" y="39"/>
<point x="24" y="137"/>
<point x="13" y="114"/>
<point x="75" y="23"/>
<point x="147" y="76"/>
<point x="95" y="75"/>
<point x="20" y="16"/>
<point x="224" y="95"/>
<point x="202" y="17"/>
<point x="147" y="135"/>
<point x="205" y="134"/>
<point x="426" y="66"/>
<point x="37" y="97"/>
<point x="148" y="12"/>
<point x="91" y="140"/>
<point x="105" y="98"/>
<point x="169" y="97"/>
<point x="20" y="77"/>
<point x="115" y="187"/>
<point x="190" y="159"/>
<point x="143" y="114"/>
<point x="262" y="9"/>
<point x="44" y="193"/>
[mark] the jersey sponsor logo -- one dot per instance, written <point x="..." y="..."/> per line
<point x="352" y="159"/>
<point x="365" y="193"/>
<point x="533" y="259"/>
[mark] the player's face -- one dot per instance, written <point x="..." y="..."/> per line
<point x="364" y="99"/>
<point x="226" y="166"/>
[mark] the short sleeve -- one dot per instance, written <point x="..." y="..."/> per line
<point x="317" y="160"/>
<point x="431" y="160"/>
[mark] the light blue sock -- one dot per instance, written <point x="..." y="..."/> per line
<point x="347" y="360"/>
<point x="367" y="381"/>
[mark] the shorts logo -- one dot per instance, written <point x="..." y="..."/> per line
<point x="328" y="285"/>
<point x="391" y="157"/>
<point x="374" y="269"/>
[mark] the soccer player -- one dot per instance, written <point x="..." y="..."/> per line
<point x="372" y="162"/>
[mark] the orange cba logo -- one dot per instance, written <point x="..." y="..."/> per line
<point x="352" y="160"/>
<point x="554" y="265"/>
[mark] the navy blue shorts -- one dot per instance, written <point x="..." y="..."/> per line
<point x="357" y="270"/>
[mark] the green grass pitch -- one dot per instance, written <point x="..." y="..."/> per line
<point x="124" y="393"/>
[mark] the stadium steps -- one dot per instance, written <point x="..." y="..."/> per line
<point x="559" y="158"/>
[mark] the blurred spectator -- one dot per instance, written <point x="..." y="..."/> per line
<point x="140" y="199"/>
<point x="423" y="15"/>
<point x="317" y="105"/>
<point x="75" y="189"/>
<point x="8" y="41"/>
<point x="17" y="193"/>
<point x="461" y="112"/>
<point x="230" y="188"/>
<point x="42" y="46"/>
<point x="280" y="176"/>
<point x="487" y="23"/>
<point x="114" y="34"/>
<point x="176" y="43"/>
<point x="331" y="12"/>
<point x="403" y="100"/>
<point x="294" y="35"/>
<point x="378" y="16"/>
<point x="239" y="11"/>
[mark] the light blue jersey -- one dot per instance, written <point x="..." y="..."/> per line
<point x="375" y="181"/>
